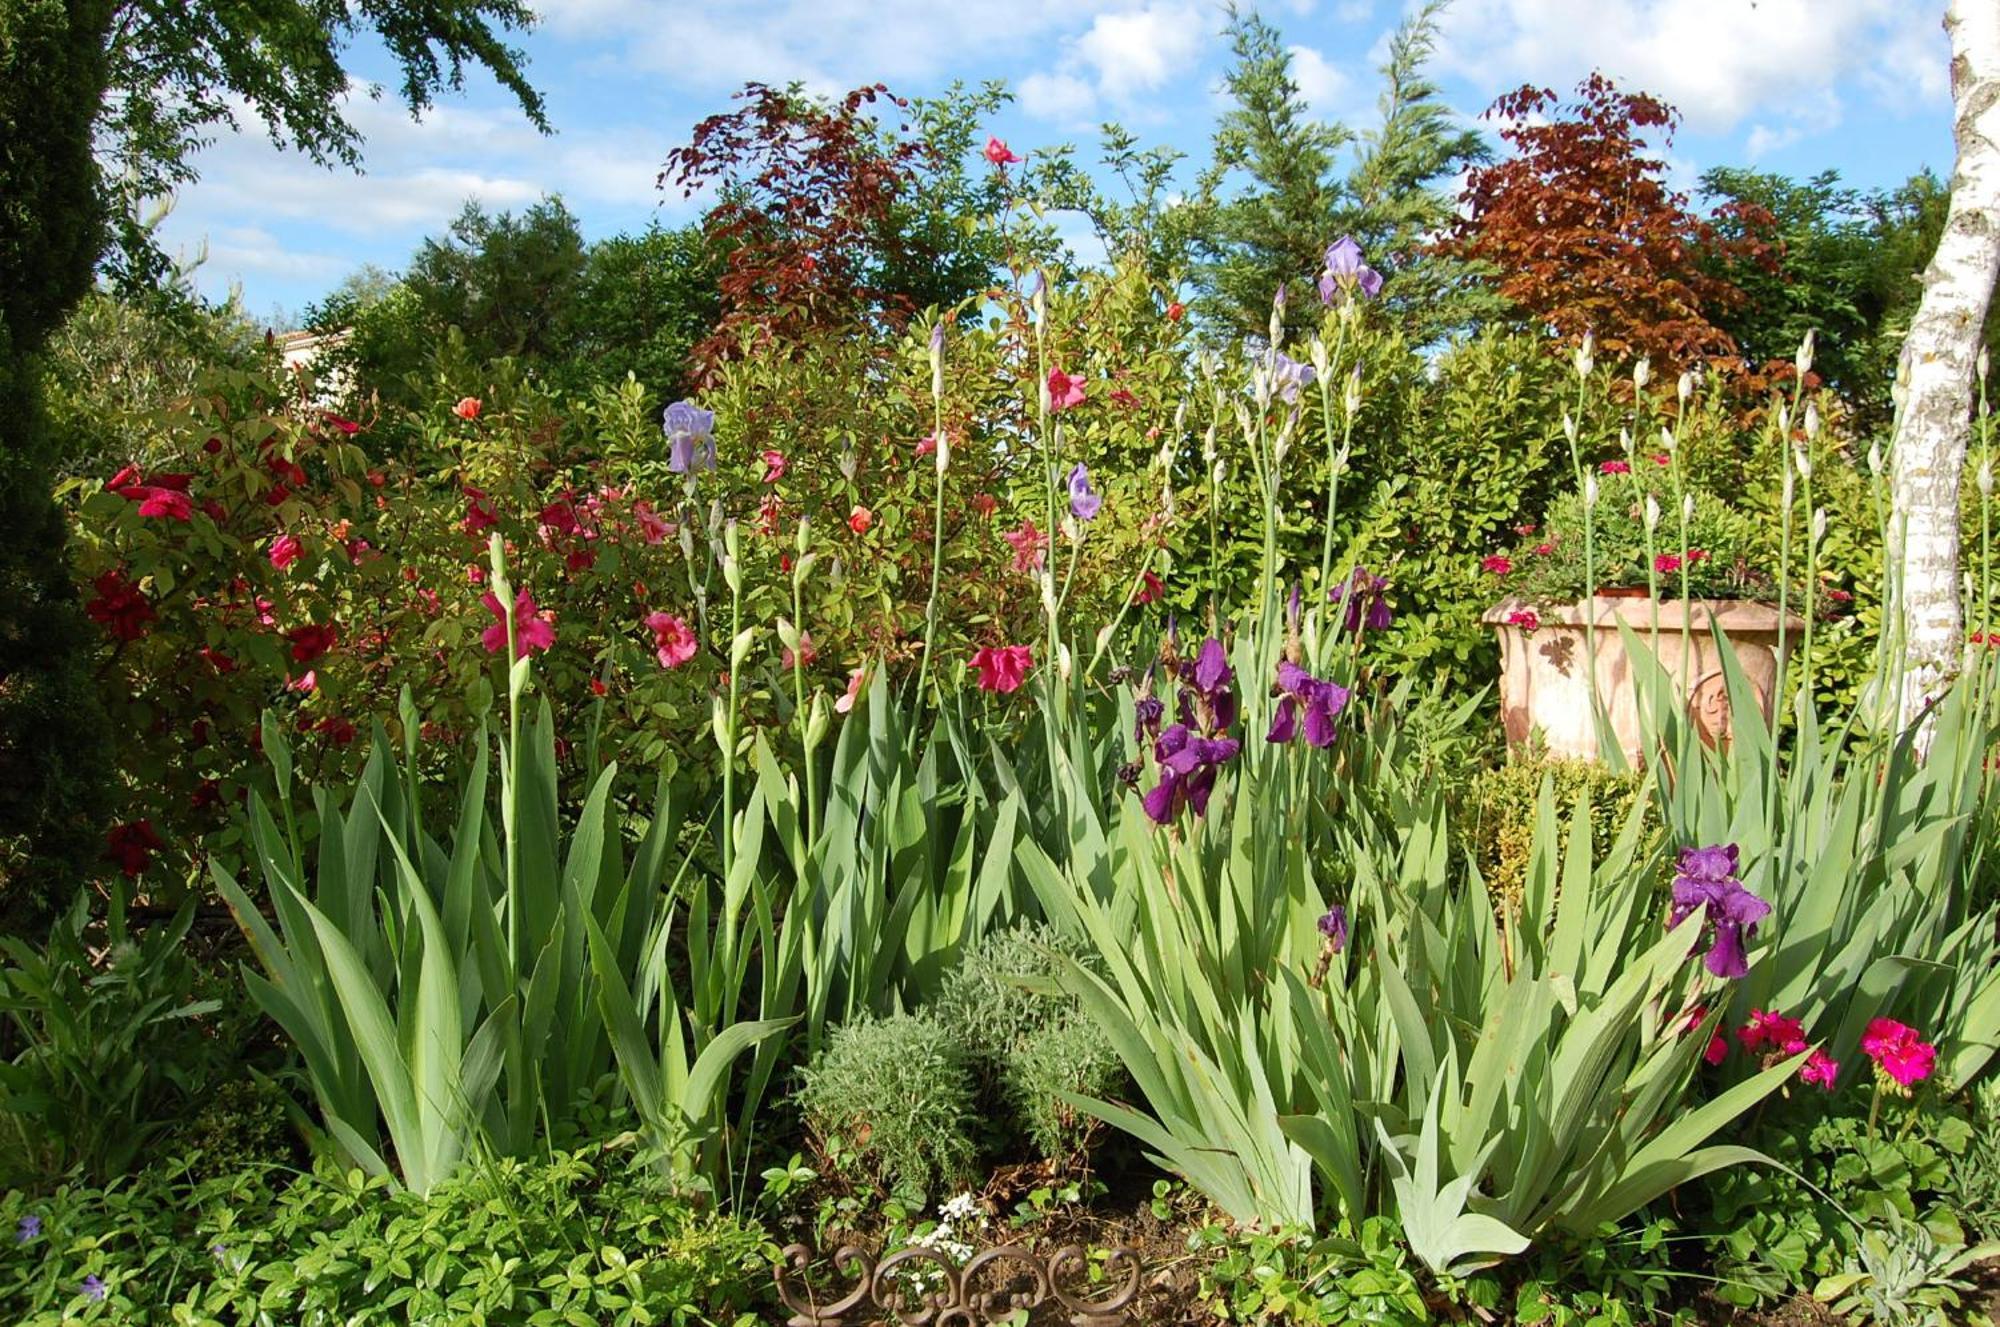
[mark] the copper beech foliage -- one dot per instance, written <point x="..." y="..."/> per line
<point x="804" y="216"/>
<point x="1587" y="237"/>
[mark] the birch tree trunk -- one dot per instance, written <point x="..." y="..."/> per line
<point x="1935" y="424"/>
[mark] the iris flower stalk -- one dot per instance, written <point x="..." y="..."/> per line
<point x="937" y="507"/>
<point x="1336" y="460"/>
<point x="732" y="573"/>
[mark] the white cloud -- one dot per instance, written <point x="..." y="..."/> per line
<point x="254" y="249"/>
<point x="1140" y="50"/>
<point x="1057" y="97"/>
<point x="1721" y="64"/>
<point x="1320" y="82"/>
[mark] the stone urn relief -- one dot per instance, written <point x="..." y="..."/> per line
<point x="1543" y="687"/>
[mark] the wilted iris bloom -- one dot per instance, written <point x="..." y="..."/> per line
<point x="1147" y="713"/>
<point x="1346" y="273"/>
<point x="1706" y="882"/>
<point x="1083" y="503"/>
<point x="1303" y="696"/>
<point x="1364" y="593"/>
<point x="1334" y="927"/>
<point x="690" y="434"/>
<point x="1288" y="375"/>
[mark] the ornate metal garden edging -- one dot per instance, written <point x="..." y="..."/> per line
<point x="900" y="1289"/>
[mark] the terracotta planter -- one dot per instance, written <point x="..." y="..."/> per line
<point x="1543" y="687"/>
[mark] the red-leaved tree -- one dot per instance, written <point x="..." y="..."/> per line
<point x="804" y="215"/>
<point x="1587" y="237"/>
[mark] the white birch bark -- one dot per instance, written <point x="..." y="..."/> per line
<point x="1935" y="423"/>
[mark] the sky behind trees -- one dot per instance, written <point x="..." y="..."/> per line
<point x="1795" y="86"/>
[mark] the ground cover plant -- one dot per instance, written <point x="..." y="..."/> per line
<point x="987" y="748"/>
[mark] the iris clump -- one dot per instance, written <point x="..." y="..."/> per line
<point x="1706" y="882"/>
<point x="1191" y="751"/>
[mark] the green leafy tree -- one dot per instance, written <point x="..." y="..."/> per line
<point x="1265" y="206"/>
<point x="1400" y="192"/>
<point x="1275" y="195"/>
<point x="146" y="83"/>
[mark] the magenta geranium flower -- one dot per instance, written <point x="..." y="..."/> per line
<point x="1821" y="1069"/>
<point x="1002" y="668"/>
<point x="1496" y="565"/>
<point x="998" y="152"/>
<point x="533" y="630"/>
<point x="1064" y="390"/>
<point x="1615" y="468"/>
<point x="1028" y="544"/>
<point x="311" y="641"/>
<point x="285" y="550"/>
<point x="1900" y="1052"/>
<point x="120" y="607"/>
<point x="1768" y="1027"/>
<point x="673" y="640"/>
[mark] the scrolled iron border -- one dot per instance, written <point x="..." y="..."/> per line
<point x="956" y="1301"/>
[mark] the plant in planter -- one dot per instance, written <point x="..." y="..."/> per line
<point x="1681" y="573"/>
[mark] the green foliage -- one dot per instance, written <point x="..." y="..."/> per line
<point x="1030" y="1043"/>
<point x="54" y="746"/>
<point x="1848" y="270"/>
<point x="1839" y="1178"/>
<point x="1871" y="853"/>
<point x="116" y="362"/>
<point x="1270" y="234"/>
<point x="1256" y="1277"/>
<point x="105" y="1055"/>
<point x="449" y="990"/>
<point x="1504" y="816"/>
<point x="1621" y="553"/>
<point x="576" y="1236"/>
<point x="897" y="1094"/>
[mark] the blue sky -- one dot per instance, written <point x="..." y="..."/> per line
<point x="1796" y="86"/>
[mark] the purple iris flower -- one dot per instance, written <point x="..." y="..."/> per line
<point x="1191" y="751"/>
<point x="1334" y="927"/>
<point x="1706" y="882"/>
<point x="1302" y="694"/>
<point x="690" y="434"/>
<point x="1188" y="763"/>
<point x="30" y="1228"/>
<point x="93" y="1287"/>
<point x="1288" y="375"/>
<point x="1083" y="504"/>
<point x="1365" y="595"/>
<point x="1346" y="272"/>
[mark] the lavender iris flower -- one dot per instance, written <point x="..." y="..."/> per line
<point x="1345" y="272"/>
<point x="1706" y="882"/>
<point x="1083" y="503"/>
<point x="690" y="434"/>
<point x="1288" y="375"/>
